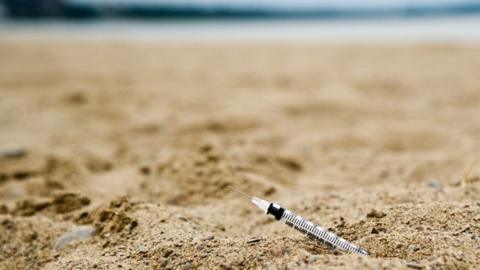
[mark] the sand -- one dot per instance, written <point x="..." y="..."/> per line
<point x="140" y="141"/>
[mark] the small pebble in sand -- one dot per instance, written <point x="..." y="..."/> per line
<point x="463" y="230"/>
<point x="312" y="259"/>
<point x="208" y="238"/>
<point x="414" y="265"/>
<point x="375" y="214"/>
<point x="80" y="233"/>
<point x="143" y="248"/>
<point x="187" y="266"/>
<point x="13" y="152"/>
<point x="254" y="240"/>
<point x="433" y="183"/>
<point x="277" y="252"/>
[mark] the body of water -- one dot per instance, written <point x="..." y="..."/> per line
<point x="239" y="8"/>
<point x="437" y="29"/>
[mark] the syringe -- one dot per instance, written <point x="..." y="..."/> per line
<point x="304" y="226"/>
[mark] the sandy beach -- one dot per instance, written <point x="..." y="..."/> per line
<point x="135" y="145"/>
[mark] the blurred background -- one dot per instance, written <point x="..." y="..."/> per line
<point x="357" y="20"/>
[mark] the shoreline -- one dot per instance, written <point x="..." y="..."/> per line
<point x="449" y="30"/>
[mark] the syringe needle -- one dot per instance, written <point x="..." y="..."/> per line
<point x="244" y="194"/>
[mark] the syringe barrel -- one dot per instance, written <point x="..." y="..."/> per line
<point x="312" y="230"/>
